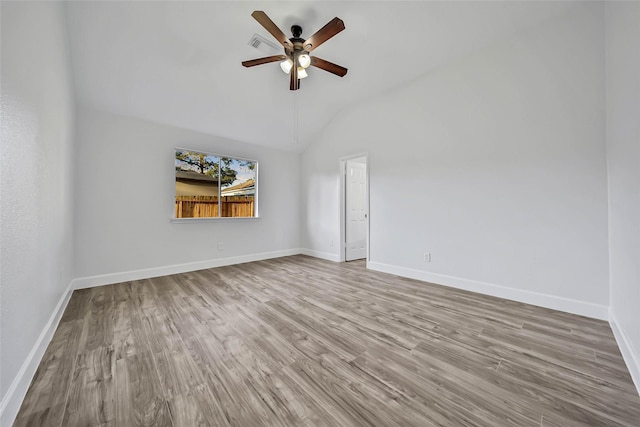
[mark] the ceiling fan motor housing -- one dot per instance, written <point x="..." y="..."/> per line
<point x="298" y="43"/>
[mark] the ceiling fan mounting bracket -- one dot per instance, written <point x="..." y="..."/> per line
<point x="296" y="30"/>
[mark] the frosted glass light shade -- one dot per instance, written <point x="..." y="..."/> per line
<point x="302" y="73"/>
<point x="304" y="60"/>
<point x="286" y="65"/>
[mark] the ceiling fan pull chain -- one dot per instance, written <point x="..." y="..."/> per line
<point x="296" y="117"/>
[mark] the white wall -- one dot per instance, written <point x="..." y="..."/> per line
<point x="36" y="197"/>
<point x="125" y="191"/>
<point x="494" y="163"/>
<point x="623" y="154"/>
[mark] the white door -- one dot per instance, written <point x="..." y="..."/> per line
<point x="356" y="215"/>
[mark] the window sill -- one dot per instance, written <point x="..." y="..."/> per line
<point x="210" y="219"/>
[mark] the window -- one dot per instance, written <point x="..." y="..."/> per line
<point x="214" y="186"/>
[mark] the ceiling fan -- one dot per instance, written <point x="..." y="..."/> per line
<point x="296" y="58"/>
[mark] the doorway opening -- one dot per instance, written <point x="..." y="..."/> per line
<point x="354" y="208"/>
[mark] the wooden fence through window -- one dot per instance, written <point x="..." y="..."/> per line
<point x="207" y="206"/>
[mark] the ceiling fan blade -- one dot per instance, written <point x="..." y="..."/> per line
<point x="265" y="60"/>
<point x="332" y="28"/>
<point x="268" y="25"/>
<point x="328" y="66"/>
<point x="294" y="82"/>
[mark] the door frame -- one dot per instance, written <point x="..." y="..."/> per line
<point x="343" y="202"/>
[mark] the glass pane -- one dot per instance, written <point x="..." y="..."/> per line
<point x="238" y="187"/>
<point x="196" y="184"/>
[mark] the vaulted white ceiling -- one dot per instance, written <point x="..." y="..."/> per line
<point x="179" y="62"/>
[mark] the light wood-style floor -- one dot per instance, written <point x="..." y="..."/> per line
<point x="298" y="341"/>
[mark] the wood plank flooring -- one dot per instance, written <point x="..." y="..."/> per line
<point x="298" y="341"/>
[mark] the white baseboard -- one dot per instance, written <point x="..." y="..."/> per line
<point x="125" y="276"/>
<point x="12" y="400"/>
<point x="323" y="255"/>
<point x="554" y="302"/>
<point x="629" y="353"/>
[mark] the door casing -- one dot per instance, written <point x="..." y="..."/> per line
<point x="343" y="194"/>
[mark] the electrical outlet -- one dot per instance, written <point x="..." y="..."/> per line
<point x="427" y="257"/>
<point x="221" y="246"/>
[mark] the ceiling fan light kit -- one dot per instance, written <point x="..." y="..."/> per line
<point x="296" y="58"/>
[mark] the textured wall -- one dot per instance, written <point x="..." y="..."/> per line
<point x="37" y="163"/>
<point x="623" y="154"/>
